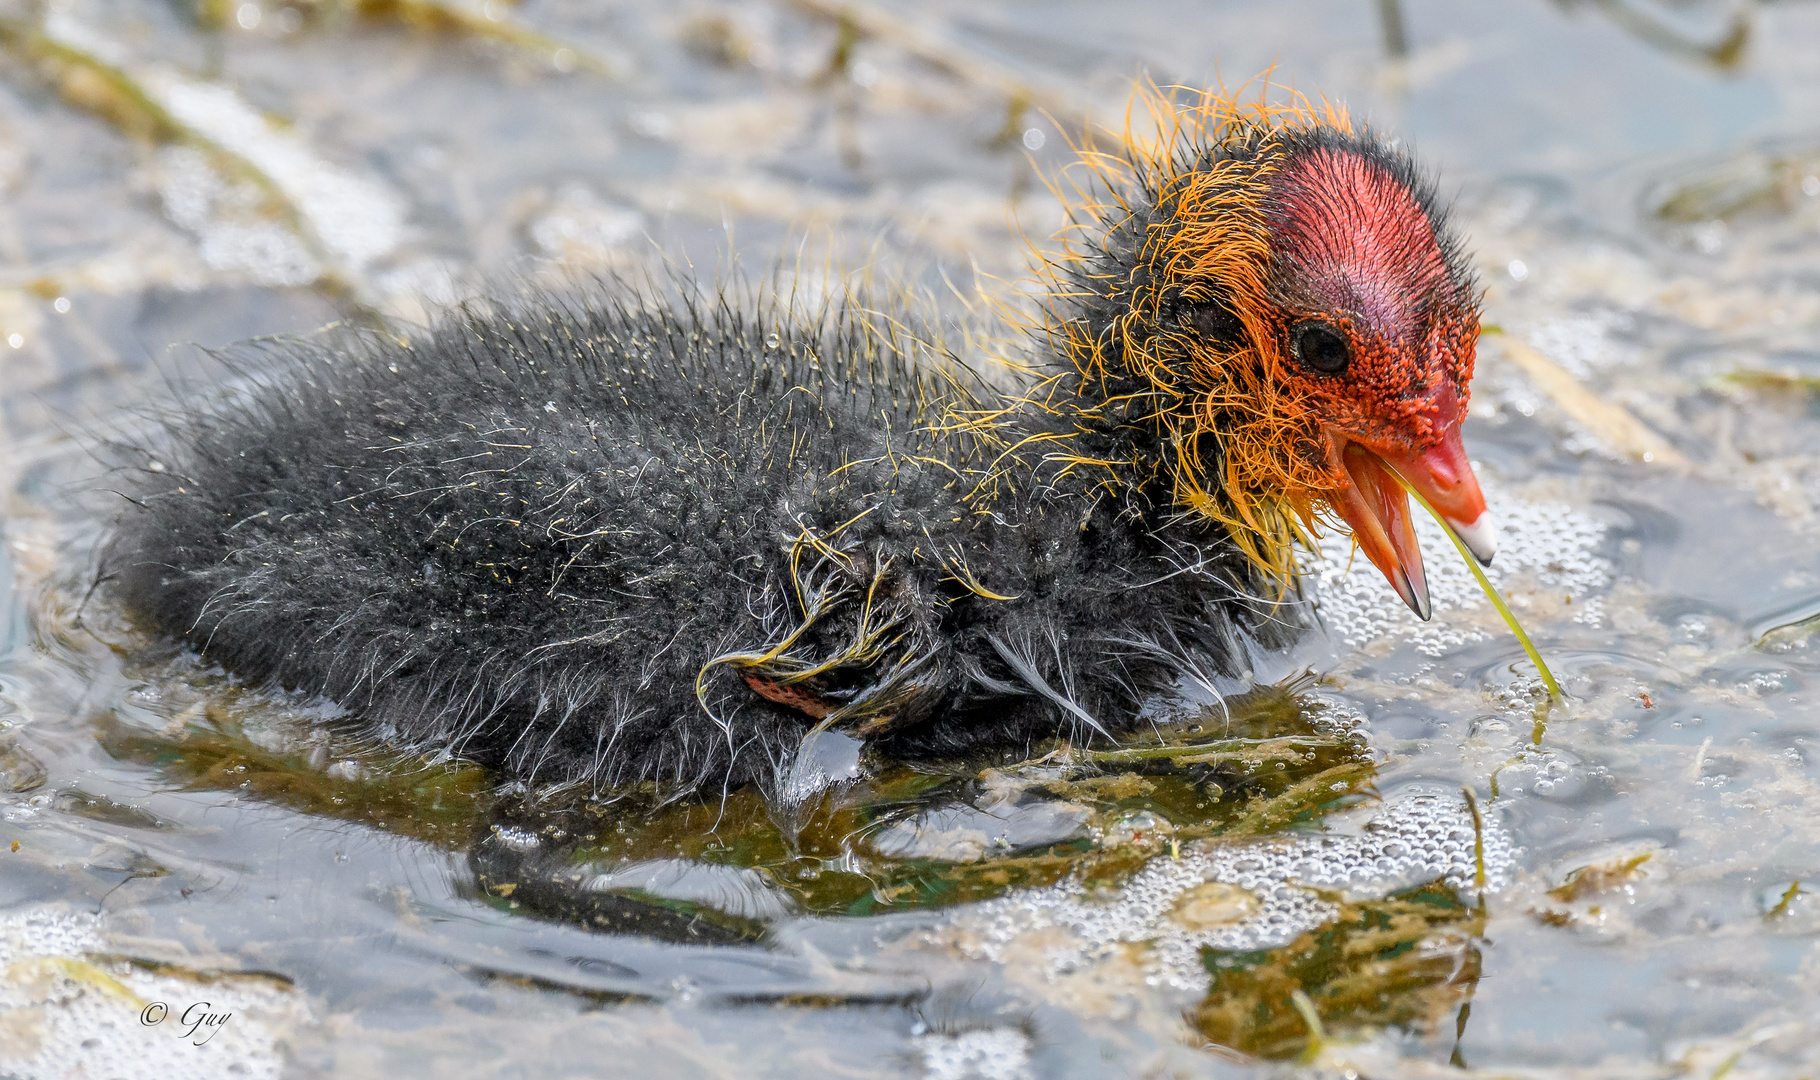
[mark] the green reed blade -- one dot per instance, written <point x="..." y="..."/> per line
<point x="1491" y="591"/>
<point x="1478" y="840"/>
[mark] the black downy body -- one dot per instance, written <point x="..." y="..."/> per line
<point x="655" y="535"/>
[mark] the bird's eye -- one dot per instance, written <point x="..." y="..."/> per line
<point x="1320" y="348"/>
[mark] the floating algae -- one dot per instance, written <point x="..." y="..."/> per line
<point x="1373" y="926"/>
<point x="289" y="760"/>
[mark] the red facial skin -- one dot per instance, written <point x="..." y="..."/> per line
<point x="1237" y="223"/>
<point x="1355" y="252"/>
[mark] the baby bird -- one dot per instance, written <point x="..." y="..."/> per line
<point x="661" y="533"/>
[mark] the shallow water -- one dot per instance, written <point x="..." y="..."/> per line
<point x="1635" y="898"/>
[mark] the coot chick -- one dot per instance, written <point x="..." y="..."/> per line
<point x="660" y="533"/>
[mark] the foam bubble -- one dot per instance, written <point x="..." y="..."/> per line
<point x="354" y="217"/>
<point x="1269" y="899"/>
<point x="1584" y="343"/>
<point x="579" y="227"/>
<point x="1551" y="541"/>
<point x="224" y="217"/>
<point x="68" y="1012"/>
<point x="991" y="1054"/>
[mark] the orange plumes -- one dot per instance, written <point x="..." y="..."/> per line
<point x="1187" y="213"/>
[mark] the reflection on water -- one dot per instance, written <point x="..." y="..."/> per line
<point x="1394" y="863"/>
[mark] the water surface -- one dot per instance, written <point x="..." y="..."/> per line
<point x="1640" y="184"/>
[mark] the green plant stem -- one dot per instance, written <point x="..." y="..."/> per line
<point x="1491" y="591"/>
<point x="1219" y="748"/>
<point x="1317" y="1035"/>
<point x="1788" y="897"/>
<point x="1478" y="840"/>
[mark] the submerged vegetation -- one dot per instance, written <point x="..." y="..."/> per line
<point x="210" y="749"/>
<point x="923" y="836"/>
<point x="1410" y="960"/>
<point x="926" y="834"/>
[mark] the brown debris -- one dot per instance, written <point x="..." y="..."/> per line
<point x="1611" y="424"/>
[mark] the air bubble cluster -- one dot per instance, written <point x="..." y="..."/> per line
<point x="990" y="1054"/>
<point x="581" y="228"/>
<point x="1424" y="837"/>
<point x="89" y="1016"/>
<point x="224" y="217"/>
<point x="1342" y="718"/>
<point x="47" y="932"/>
<point x="1550" y="542"/>
<point x="353" y="217"/>
<point x="1520" y="696"/>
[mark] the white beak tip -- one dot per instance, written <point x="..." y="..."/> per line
<point x="1480" y="537"/>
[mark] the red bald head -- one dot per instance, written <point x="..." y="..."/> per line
<point x="1375" y="323"/>
<point x="1275" y="295"/>
<point x="1376" y="317"/>
<point x="1353" y="238"/>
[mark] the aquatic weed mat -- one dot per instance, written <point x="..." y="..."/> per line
<point x="1164" y="845"/>
<point x="1170" y="831"/>
<point x="906" y="838"/>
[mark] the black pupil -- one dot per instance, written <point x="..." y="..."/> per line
<point x="1321" y="348"/>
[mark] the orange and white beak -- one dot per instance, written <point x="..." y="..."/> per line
<point x="1377" y="507"/>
